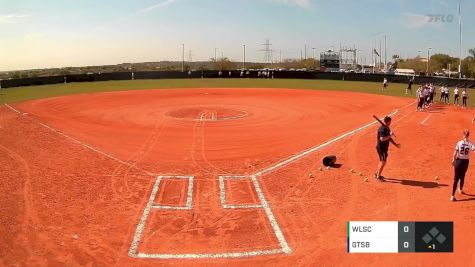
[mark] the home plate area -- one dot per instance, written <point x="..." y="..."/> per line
<point x="199" y="218"/>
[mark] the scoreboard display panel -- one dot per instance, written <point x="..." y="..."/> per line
<point x="330" y="60"/>
<point x="399" y="237"/>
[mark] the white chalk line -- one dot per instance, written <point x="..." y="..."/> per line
<point x="426" y="119"/>
<point x="143" y="220"/>
<point x="222" y="194"/>
<point x="82" y="143"/>
<point x="12" y="108"/>
<point x="410" y="104"/>
<point x="146" y="213"/>
<point x="189" y="193"/>
<point x="217" y="119"/>
<point x="313" y="149"/>
<point x="210" y="255"/>
<point x="275" y="226"/>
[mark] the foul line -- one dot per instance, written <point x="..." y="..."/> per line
<point x="81" y="143"/>
<point x="424" y="121"/>
<point x="12" y="108"/>
<point x="313" y="149"/>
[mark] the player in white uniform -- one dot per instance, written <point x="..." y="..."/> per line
<point x="430" y="94"/>
<point x="385" y="84"/>
<point x="447" y="95"/>
<point x="420" y="98"/>
<point x="425" y="93"/>
<point x="456" y="96"/>
<point x="464" y="98"/>
<point x="460" y="162"/>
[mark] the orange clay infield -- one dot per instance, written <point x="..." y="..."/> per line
<point x="221" y="176"/>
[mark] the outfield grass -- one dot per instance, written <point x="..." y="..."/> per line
<point x="19" y="94"/>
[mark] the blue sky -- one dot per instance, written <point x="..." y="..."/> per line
<point x="58" y="33"/>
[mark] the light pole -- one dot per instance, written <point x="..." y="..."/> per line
<point x="460" y="41"/>
<point x="380" y="34"/>
<point x="428" y="59"/>
<point x="385" y="48"/>
<point x="313" y="57"/>
<point x="182" y="57"/>
<point x="215" y="59"/>
<point x="305" y="52"/>
<point x="244" y="57"/>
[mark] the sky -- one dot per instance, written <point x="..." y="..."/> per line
<point x="58" y="33"/>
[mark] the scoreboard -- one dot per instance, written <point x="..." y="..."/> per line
<point x="330" y="60"/>
<point x="398" y="237"/>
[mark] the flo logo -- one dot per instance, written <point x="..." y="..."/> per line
<point x="441" y="18"/>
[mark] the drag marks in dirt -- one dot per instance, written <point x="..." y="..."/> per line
<point x="29" y="212"/>
<point x="108" y="155"/>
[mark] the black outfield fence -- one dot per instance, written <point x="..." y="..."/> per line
<point x="119" y="76"/>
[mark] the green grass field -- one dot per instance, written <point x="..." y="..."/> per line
<point x="18" y="94"/>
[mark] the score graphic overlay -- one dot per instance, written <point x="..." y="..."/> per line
<point x="396" y="237"/>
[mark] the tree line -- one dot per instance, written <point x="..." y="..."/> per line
<point x="439" y="63"/>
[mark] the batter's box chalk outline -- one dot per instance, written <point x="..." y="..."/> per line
<point x="189" y="193"/>
<point x="133" y="253"/>
<point x="222" y="193"/>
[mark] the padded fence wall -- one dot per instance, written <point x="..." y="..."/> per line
<point x="117" y="76"/>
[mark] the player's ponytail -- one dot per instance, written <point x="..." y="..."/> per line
<point x="466" y="133"/>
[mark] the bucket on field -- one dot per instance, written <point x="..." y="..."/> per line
<point x="329" y="161"/>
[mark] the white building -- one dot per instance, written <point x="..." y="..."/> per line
<point x="406" y="72"/>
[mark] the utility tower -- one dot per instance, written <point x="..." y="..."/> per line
<point x="348" y="58"/>
<point x="267" y="52"/>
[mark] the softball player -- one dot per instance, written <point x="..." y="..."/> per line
<point x="420" y="98"/>
<point x="382" y="146"/>
<point x="409" y="85"/>
<point x="442" y="94"/>
<point x="460" y="162"/>
<point x="385" y="84"/>
<point x="464" y="98"/>
<point x="432" y="93"/>
<point x="447" y="95"/>
<point x="456" y="96"/>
